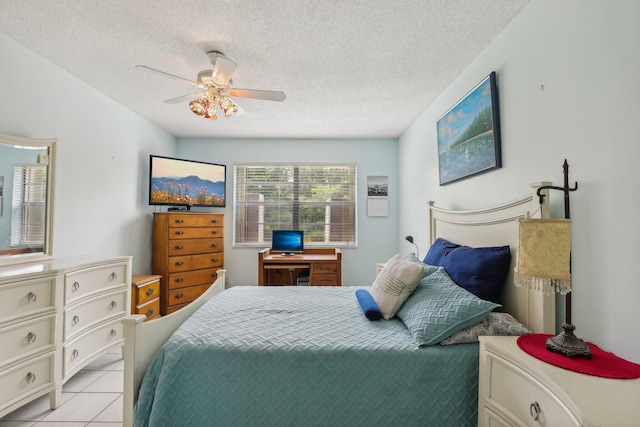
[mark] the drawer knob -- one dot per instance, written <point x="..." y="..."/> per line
<point x="75" y="320"/>
<point x="179" y="221"/>
<point x="534" y="410"/>
<point x="179" y="263"/>
<point x="214" y="260"/>
<point x="215" y="221"/>
<point x="113" y="305"/>
<point x="214" y="245"/>
<point x="113" y="276"/>
<point x="31" y="337"/>
<point x="31" y="377"/>
<point x="113" y="333"/>
<point x="179" y="280"/>
<point x="179" y="296"/>
<point x="179" y="247"/>
<point x="149" y="292"/>
<point x="74" y="354"/>
<point x="179" y="233"/>
<point x="75" y="287"/>
<point x="214" y="232"/>
<point x="149" y="313"/>
<point x="31" y="297"/>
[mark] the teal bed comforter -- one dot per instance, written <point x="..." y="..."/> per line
<point x="304" y="356"/>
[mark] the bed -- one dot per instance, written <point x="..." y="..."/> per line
<point x="308" y="356"/>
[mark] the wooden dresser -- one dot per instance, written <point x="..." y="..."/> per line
<point x="145" y="295"/>
<point x="57" y="316"/>
<point x="188" y="249"/>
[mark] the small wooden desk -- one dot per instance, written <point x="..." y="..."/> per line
<point x="323" y="267"/>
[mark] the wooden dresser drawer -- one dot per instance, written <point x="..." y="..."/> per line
<point x="195" y="220"/>
<point x="150" y="309"/>
<point x="186" y="295"/>
<point x="191" y="278"/>
<point x="181" y="233"/>
<point x="324" y="268"/>
<point x="82" y="283"/>
<point x="82" y="316"/>
<point x="25" y="379"/>
<point x="195" y="262"/>
<point x="27" y="338"/>
<point x="88" y="345"/>
<point x="25" y="298"/>
<point x="196" y="246"/>
<point x="144" y="289"/>
<point x="324" y="280"/>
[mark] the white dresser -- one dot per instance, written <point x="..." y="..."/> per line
<point x="516" y="389"/>
<point x="55" y="317"/>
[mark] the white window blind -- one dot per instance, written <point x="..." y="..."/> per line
<point x="28" y="205"/>
<point x="319" y="199"/>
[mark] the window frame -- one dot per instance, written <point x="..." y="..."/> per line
<point x="239" y="203"/>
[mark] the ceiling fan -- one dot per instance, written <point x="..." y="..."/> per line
<point x="216" y="89"/>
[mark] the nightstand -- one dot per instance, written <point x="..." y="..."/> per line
<point x="145" y="295"/>
<point x="516" y="389"/>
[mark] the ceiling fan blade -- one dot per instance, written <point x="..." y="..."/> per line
<point x="222" y="70"/>
<point x="184" y="98"/>
<point x="267" y="95"/>
<point x="162" y="73"/>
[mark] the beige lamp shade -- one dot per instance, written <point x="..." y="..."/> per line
<point x="544" y="254"/>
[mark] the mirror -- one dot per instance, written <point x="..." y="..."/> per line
<point x="26" y="199"/>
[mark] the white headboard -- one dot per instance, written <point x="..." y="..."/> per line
<point x="497" y="226"/>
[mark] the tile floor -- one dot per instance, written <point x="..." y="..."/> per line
<point x="91" y="398"/>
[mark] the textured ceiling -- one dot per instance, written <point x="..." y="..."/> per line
<point x="350" y="69"/>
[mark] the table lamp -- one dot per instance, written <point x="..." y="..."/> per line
<point x="543" y="263"/>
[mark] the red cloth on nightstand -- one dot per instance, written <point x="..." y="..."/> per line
<point x="601" y="364"/>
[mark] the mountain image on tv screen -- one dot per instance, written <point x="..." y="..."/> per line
<point x="186" y="183"/>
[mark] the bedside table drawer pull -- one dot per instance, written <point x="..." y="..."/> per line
<point x="113" y="276"/>
<point x="149" y="292"/>
<point x="75" y="320"/>
<point x="31" y="338"/>
<point x="113" y="333"/>
<point x="534" y="410"/>
<point x="149" y="313"/>
<point x="75" y="286"/>
<point x="113" y="305"/>
<point x="179" y="296"/>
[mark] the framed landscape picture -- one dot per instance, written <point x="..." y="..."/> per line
<point x="469" y="134"/>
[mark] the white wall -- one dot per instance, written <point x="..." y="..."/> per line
<point x="102" y="164"/>
<point x="376" y="235"/>
<point x="569" y="88"/>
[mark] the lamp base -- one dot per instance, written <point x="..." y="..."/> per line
<point x="568" y="344"/>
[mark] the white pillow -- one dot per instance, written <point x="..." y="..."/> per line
<point x="395" y="283"/>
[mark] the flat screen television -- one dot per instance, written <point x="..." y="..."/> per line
<point x="186" y="183"/>
<point x="287" y="241"/>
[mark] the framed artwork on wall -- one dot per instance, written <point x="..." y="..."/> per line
<point x="469" y="134"/>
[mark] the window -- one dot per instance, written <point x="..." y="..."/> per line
<point x="28" y="205"/>
<point x="318" y="199"/>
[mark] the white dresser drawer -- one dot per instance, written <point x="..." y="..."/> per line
<point x="85" y="282"/>
<point x="521" y="394"/>
<point x="27" y="338"/>
<point x="25" y="298"/>
<point x="25" y="379"/>
<point x="90" y="344"/>
<point x="86" y="314"/>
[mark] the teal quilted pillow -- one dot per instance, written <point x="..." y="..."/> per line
<point x="439" y="307"/>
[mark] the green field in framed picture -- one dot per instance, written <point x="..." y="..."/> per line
<point x="469" y="134"/>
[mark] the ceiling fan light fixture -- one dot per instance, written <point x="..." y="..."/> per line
<point x="198" y="106"/>
<point x="229" y="108"/>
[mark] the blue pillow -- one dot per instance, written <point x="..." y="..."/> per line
<point x="481" y="271"/>
<point x="438" y="308"/>
<point x="368" y="305"/>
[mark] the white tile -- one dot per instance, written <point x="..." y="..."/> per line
<point x="106" y="362"/>
<point x="103" y="424"/>
<point x="81" y="380"/>
<point x="113" y="413"/>
<point x="110" y="382"/>
<point x="16" y="423"/>
<point x="82" y="407"/>
<point x="60" y="424"/>
<point x="36" y="409"/>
